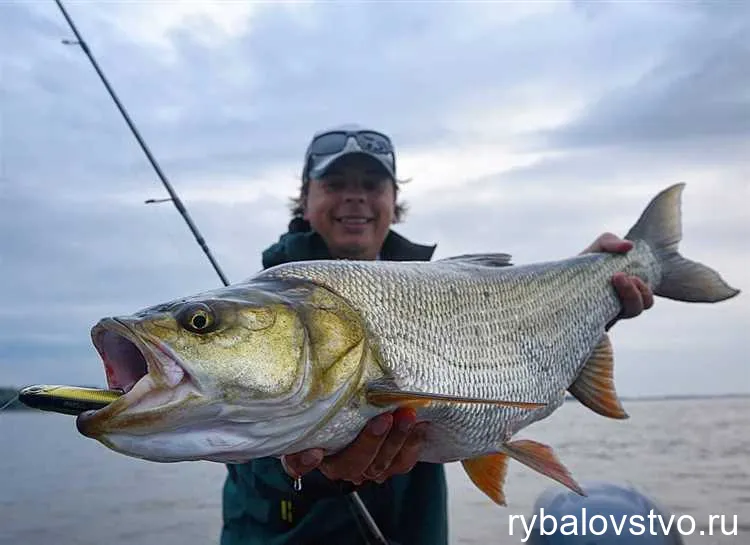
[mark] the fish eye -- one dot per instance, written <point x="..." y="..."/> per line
<point x="198" y="318"/>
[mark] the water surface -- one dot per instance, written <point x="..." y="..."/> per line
<point x="58" y="487"/>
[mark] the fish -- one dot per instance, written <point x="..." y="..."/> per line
<point x="302" y="355"/>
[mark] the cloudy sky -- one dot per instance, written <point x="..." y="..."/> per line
<point x="527" y="129"/>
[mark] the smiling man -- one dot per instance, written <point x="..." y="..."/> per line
<point x="350" y="201"/>
<point x="347" y="203"/>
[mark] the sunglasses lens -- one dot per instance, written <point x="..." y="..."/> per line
<point x="374" y="142"/>
<point x="328" y="144"/>
<point x="334" y="142"/>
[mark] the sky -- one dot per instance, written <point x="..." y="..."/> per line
<point x="523" y="128"/>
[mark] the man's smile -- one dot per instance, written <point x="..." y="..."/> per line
<point x="354" y="220"/>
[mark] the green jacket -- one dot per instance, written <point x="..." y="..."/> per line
<point x="260" y="505"/>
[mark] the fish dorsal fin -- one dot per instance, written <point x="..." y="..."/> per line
<point x="595" y="385"/>
<point x="382" y="394"/>
<point x="541" y="458"/>
<point x="487" y="260"/>
<point x="488" y="474"/>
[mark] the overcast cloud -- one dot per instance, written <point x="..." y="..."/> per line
<point x="528" y="129"/>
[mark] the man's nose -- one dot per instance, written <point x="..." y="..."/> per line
<point x="358" y="196"/>
<point x="354" y="191"/>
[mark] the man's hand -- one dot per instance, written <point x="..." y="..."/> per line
<point x="634" y="294"/>
<point x="389" y="445"/>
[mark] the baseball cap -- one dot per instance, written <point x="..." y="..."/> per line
<point x="607" y="502"/>
<point x="329" y="145"/>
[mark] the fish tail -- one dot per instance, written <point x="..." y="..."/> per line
<point x="682" y="279"/>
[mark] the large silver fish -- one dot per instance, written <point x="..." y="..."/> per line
<point x="304" y="354"/>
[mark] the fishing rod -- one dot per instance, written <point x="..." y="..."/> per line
<point x="172" y="193"/>
<point x="359" y="505"/>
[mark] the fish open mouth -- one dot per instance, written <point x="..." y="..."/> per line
<point x="148" y="373"/>
<point x="128" y="359"/>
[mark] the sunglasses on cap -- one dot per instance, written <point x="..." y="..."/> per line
<point x="327" y="147"/>
<point x="335" y="141"/>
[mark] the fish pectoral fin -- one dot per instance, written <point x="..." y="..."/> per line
<point x="541" y="458"/>
<point x="488" y="473"/>
<point x="383" y="395"/>
<point x="488" y="260"/>
<point x="595" y="386"/>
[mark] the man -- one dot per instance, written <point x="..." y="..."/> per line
<point x="347" y="204"/>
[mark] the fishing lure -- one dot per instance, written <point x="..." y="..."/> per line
<point x="72" y="400"/>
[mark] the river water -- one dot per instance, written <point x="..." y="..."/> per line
<point x="693" y="456"/>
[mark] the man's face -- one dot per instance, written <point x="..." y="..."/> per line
<point x="352" y="207"/>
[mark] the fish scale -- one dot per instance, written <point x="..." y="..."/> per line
<point x="432" y="347"/>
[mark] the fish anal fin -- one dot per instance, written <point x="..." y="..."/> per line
<point x="384" y="395"/>
<point x="542" y="458"/>
<point x="595" y="385"/>
<point x="488" y="474"/>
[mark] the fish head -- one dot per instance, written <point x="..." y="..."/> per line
<point x="227" y="375"/>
